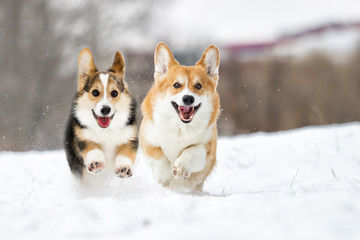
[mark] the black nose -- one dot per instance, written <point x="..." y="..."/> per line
<point x="188" y="99"/>
<point x="105" y="110"/>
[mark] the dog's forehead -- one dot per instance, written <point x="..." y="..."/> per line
<point x="183" y="74"/>
<point x="196" y="73"/>
<point x="104" y="77"/>
<point x="182" y="78"/>
<point x="98" y="79"/>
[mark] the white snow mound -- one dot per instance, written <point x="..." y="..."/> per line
<point x="298" y="184"/>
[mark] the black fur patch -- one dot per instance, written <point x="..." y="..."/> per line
<point x="132" y="116"/>
<point x="81" y="145"/>
<point x="73" y="145"/>
<point x="135" y="144"/>
<point x="120" y="84"/>
<point x="90" y="82"/>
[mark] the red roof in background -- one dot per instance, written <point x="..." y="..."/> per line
<point x="258" y="46"/>
<point x="250" y="46"/>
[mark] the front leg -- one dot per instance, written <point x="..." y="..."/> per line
<point x="125" y="159"/>
<point x="94" y="159"/>
<point x="191" y="160"/>
<point x="159" y="164"/>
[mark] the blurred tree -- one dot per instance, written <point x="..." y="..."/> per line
<point x="40" y="42"/>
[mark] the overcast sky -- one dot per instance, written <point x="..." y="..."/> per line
<point x="229" y="21"/>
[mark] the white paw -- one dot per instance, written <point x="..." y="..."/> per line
<point x="123" y="167"/>
<point x="161" y="169"/>
<point x="181" y="169"/>
<point x="164" y="181"/>
<point x="94" y="161"/>
<point x="193" y="159"/>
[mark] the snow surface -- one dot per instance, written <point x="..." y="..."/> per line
<point x="298" y="184"/>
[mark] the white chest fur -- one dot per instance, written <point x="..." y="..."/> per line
<point x="174" y="137"/>
<point x="168" y="131"/>
<point x="109" y="139"/>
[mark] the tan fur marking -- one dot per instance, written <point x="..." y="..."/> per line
<point x="90" y="146"/>
<point x="118" y="66"/>
<point x="146" y="106"/>
<point x="216" y="106"/>
<point x="112" y="85"/>
<point x="126" y="150"/>
<point x="152" y="151"/>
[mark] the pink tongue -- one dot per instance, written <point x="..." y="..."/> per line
<point x="186" y="112"/>
<point x="104" y="121"/>
<point x="185" y="109"/>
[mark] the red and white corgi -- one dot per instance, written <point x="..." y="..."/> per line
<point x="178" y="134"/>
<point x="101" y="135"/>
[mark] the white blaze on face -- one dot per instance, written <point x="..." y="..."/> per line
<point x="104" y="80"/>
<point x="105" y="99"/>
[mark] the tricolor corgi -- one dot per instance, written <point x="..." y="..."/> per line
<point x="101" y="133"/>
<point x="178" y="134"/>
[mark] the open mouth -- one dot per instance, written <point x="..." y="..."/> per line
<point x="103" y="122"/>
<point x="186" y="113"/>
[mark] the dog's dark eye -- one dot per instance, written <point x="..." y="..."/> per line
<point x="95" y="93"/>
<point x="198" y="86"/>
<point x="177" y="85"/>
<point x="114" y="93"/>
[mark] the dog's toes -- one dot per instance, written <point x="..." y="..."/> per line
<point x="123" y="172"/>
<point x="95" y="167"/>
<point x="181" y="172"/>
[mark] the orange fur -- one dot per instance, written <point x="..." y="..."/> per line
<point x="163" y="85"/>
<point x="127" y="150"/>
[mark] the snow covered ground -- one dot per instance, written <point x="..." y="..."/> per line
<point x="299" y="184"/>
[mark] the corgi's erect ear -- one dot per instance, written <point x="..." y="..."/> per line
<point x="210" y="60"/>
<point x="163" y="59"/>
<point x="86" y="67"/>
<point x="86" y="62"/>
<point x="118" y="66"/>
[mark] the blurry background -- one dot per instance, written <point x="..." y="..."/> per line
<point x="284" y="64"/>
